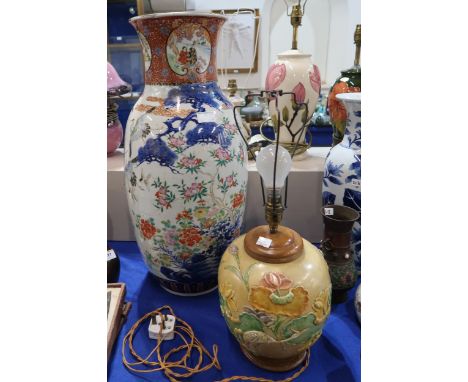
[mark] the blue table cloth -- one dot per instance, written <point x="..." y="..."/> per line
<point x="335" y="357"/>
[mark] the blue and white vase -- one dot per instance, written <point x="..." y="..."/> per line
<point x="185" y="161"/>
<point x="342" y="172"/>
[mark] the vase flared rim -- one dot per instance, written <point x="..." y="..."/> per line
<point x="349" y="97"/>
<point x="177" y="14"/>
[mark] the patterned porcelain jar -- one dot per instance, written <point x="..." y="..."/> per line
<point x="295" y="72"/>
<point x="185" y="162"/>
<point x="275" y="303"/>
<point x="342" y="172"/>
<point x="348" y="82"/>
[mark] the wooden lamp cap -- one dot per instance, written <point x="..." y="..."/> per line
<point x="286" y="244"/>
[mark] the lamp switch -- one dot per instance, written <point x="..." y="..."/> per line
<point x="161" y="326"/>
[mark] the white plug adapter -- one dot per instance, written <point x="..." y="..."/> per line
<point x="161" y="326"/>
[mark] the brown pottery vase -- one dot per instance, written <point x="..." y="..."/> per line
<point x="336" y="247"/>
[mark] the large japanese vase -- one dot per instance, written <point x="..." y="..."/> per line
<point x="185" y="161"/>
<point x="342" y="172"/>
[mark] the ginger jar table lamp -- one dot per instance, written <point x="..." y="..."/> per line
<point x="294" y="71"/>
<point x="274" y="286"/>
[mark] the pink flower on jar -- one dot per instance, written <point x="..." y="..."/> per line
<point x="231" y="128"/>
<point x="230" y="181"/>
<point x="299" y="91"/>
<point x="275" y="76"/>
<point x="176" y="142"/>
<point x="314" y="77"/>
<point x="193" y="190"/>
<point x="198" y="186"/>
<point x="164" y="203"/>
<point x="275" y="281"/>
<point x="170" y="236"/>
<point x="222" y="154"/>
<point x="161" y="193"/>
<point x="212" y="212"/>
<point x="189" y="192"/>
<point x="190" y="162"/>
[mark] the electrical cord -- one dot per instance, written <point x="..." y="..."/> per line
<point x="174" y="370"/>
<point x="191" y="345"/>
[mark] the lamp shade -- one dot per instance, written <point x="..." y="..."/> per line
<point x="115" y="84"/>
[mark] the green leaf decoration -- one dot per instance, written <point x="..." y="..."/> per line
<point x="276" y="326"/>
<point x="304" y="116"/>
<point x="301" y="330"/>
<point x="304" y="337"/>
<point x="285" y="112"/>
<point x="281" y="300"/>
<point x="234" y="270"/>
<point x="298" y="324"/>
<point x="249" y="322"/>
<point x="247" y="275"/>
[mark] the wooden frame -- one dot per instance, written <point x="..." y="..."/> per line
<point x="116" y="314"/>
<point x="254" y="68"/>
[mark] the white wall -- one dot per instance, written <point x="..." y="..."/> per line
<point x="345" y="15"/>
<point x="327" y="33"/>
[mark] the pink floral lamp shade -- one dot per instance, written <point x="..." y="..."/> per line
<point x="115" y="85"/>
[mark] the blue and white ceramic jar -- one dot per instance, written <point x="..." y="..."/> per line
<point x="185" y="161"/>
<point x="342" y="172"/>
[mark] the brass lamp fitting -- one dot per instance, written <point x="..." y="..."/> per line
<point x="357" y="41"/>
<point x="296" y="19"/>
<point x="232" y="87"/>
<point x="274" y="211"/>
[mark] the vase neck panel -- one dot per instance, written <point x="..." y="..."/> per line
<point x="352" y="134"/>
<point x="179" y="49"/>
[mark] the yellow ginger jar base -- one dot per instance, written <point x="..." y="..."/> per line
<point x="275" y="310"/>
